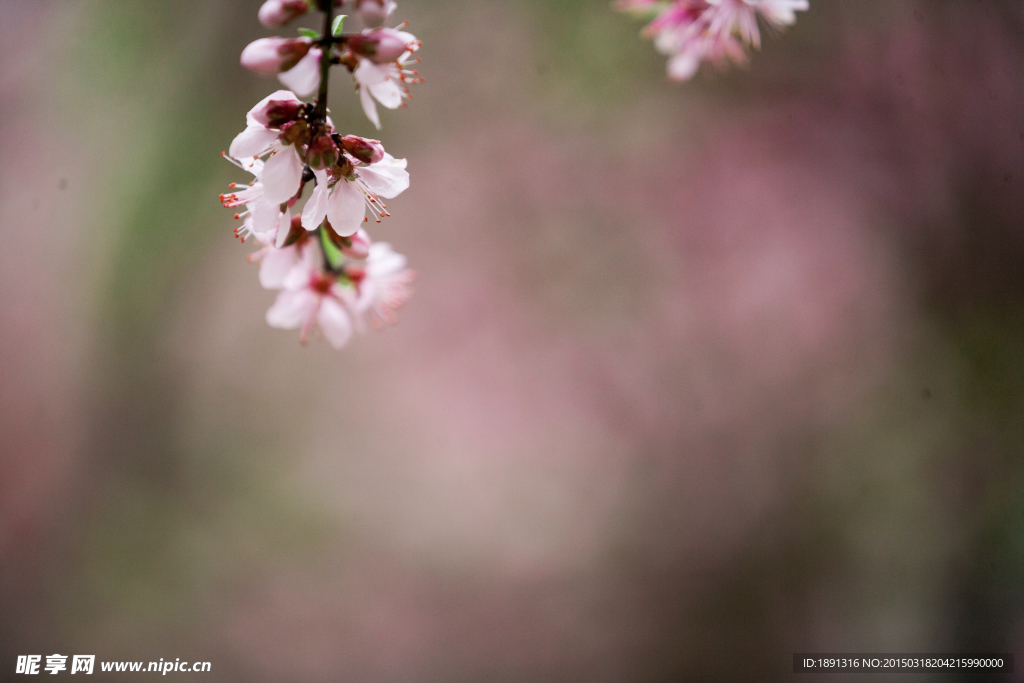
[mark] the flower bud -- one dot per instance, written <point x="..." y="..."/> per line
<point x="280" y="12"/>
<point x="295" y="132"/>
<point x="296" y="233"/>
<point x="374" y="13"/>
<point x="322" y="152"/>
<point x="271" y="56"/>
<point x="364" y="149"/>
<point x="358" y="246"/>
<point x="382" y="45"/>
<point x="276" y="113"/>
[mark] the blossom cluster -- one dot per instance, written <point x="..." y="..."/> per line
<point x="690" y="32"/>
<point x="330" y="275"/>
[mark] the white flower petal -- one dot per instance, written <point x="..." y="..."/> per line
<point x="275" y="266"/>
<point x="292" y="309"/>
<point x="383" y="260"/>
<point x="683" y="66"/>
<point x="252" y="165"/>
<point x="369" y="106"/>
<point x="297" y="278"/>
<point x="387" y="93"/>
<point x="334" y="321"/>
<point x="284" y="226"/>
<point x="778" y="12"/>
<point x="346" y="208"/>
<point x="282" y="175"/>
<point x="404" y="36"/>
<point x="265" y="216"/>
<point x="253" y="141"/>
<point x="316" y="207"/>
<point x="304" y="77"/>
<point x="368" y="73"/>
<point x="387" y="178"/>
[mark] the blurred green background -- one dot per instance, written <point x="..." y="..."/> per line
<point x="696" y="375"/>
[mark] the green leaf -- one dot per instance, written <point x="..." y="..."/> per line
<point x="339" y="22"/>
<point x="334" y="256"/>
<point x="308" y="33"/>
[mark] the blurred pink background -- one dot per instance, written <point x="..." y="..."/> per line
<point x="695" y="376"/>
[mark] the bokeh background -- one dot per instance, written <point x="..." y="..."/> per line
<point x="695" y="377"/>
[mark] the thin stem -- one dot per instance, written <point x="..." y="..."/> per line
<point x="321" y="105"/>
<point x="325" y="61"/>
<point x="323" y="250"/>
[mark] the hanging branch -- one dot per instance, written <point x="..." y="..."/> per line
<point x="330" y="274"/>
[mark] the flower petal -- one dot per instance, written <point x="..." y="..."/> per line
<point x="303" y="270"/>
<point x="683" y="66"/>
<point x="369" y="106"/>
<point x="383" y="260"/>
<point x="275" y="266"/>
<point x="346" y="208"/>
<point x="335" y="322"/>
<point x="292" y="309"/>
<point x="265" y="216"/>
<point x="316" y="207"/>
<point x="282" y="175"/>
<point x="253" y="141"/>
<point x="387" y="178"/>
<point x="387" y="93"/>
<point x="304" y="77"/>
<point x="284" y="226"/>
<point x="280" y="95"/>
<point x="368" y="73"/>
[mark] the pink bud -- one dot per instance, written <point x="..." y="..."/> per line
<point x="374" y="13"/>
<point x="382" y="45"/>
<point x="364" y="149"/>
<point x="296" y="233"/>
<point x="358" y="246"/>
<point x="276" y="113"/>
<point x="322" y="152"/>
<point x="280" y="12"/>
<point x="271" y="56"/>
<point x="295" y="132"/>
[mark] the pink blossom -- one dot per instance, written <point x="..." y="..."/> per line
<point x="739" y="17"/>
<point x="384" y="285"/>
<point x="383" y="45"/>
<point x="343" y="195"/>
<point x="374" y="13"/>
<point x="281" y="175"/>
<point x="311" y="297"/>
<point x="304" y="77"/>
<point x="262" y="216"/>
<point x="779" y="13"/>
<point x="691" y="32"/>
<point x="276" y="262"/>
<point x="364" y="149"/>
<point x="271" y="56"/>
<point x="294" y="61"/>
<point x="385" y="83"/>
<point x="358" y="246"/>
<point x="288" y="142"/>
<point x="688" y="48"/>
<point x="322" y="152"/>
<point x="275" y="13"/>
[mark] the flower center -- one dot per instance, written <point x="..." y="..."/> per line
<point x="322" y="283"/>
